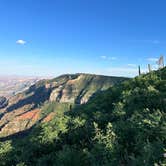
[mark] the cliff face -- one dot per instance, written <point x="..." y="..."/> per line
<point x="80" y="88"/>
<point x="23" y="110"/>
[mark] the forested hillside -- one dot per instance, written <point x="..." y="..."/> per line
<point x="26" y="109"/>
<point x="122" y="126"/>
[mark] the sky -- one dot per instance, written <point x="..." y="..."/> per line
<point x="53" y="37"/>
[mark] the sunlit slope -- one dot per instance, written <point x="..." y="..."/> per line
<point x="24" y="109"/>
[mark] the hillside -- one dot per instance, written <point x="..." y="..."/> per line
<point x="27" y="108"/>
<point x="122" y="126"/>
<point x="3" y="102"/>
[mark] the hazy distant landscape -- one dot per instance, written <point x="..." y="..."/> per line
<point x="12" y="85"/>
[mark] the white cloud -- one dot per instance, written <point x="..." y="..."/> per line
<point x="132" y="65"/>
<point x="112" y="58"/>
<point x="155" y="66"/>
<point x="108" y="58"/>
<point x="124" y="71"/>
<point x="22" y="42"/>
<point x="152" y="59"/>
<point x="148" y="41"/>
<point x="103" y="57"/>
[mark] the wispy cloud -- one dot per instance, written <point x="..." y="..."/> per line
<point x="132" y="65"/>
<point x="108" y="57"/>
<point x="155" y="66"/>
<point x="124" y="71"/>
<point x="103" y="57"/>
<point x="152" y="59"/>
<point x="21" y="42"/>
<point x="112" y="58"/>
<point x="148" y="41"/>
<point x="155" y="41"/>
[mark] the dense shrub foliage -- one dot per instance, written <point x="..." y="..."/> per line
<point x="123" y="126"/>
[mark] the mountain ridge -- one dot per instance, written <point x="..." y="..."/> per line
<point x="67" y="88"/>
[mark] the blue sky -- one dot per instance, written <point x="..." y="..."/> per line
<point x="52" y="37"/>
